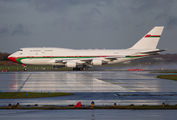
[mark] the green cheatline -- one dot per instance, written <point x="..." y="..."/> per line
<point x="14" y="95"/>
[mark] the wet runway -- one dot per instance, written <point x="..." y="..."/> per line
<point x="103" y="87"/>
<point x="88" y="114"/>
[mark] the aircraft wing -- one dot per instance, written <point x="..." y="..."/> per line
<point x="57" y="61"/>
<point x="113" y="57"/>
<point x="88" y="60"/>
<point x="110" y="58"/>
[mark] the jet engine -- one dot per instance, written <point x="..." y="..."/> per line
<point x="97" y="62"/>
<point x="70" y="64"/>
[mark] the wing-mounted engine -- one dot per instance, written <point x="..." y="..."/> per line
<point x="94" y="62"/>
<point x="97" y="62"/>
<point x="70" y="64"/>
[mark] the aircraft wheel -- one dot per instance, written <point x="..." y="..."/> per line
<point x="86" y="68"/>
<point x="24" y="69"/>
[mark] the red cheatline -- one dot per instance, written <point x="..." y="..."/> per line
<point x="149" y="36"/>
<point x="14" y="59"/>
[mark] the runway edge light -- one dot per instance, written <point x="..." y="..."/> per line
<point x="92" y="103"/>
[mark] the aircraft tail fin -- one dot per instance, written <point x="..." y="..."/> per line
<point x="150" y="40"/>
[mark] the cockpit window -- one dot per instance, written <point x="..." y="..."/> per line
<point x="20" y="50"/>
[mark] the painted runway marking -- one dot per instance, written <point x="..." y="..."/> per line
<point x="24" y="83"/>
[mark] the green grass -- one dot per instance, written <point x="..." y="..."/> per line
<point x="165" y="71"/>
<point x="171" y="77"/>
<point x="32" y="68"/>
<point x="14" y="95"/>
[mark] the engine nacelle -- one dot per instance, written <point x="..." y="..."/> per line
<point x="70" y="64"/>
<point x="97" y="62"/>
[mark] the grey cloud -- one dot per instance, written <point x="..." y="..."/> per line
<point x="161" y="10"/>
<point x="95" y="11"/>
<point x="141" y="6"/>
<point x="4" y="31"/>
<point x="64" y="23"/>
<point x="60" y="5"/>
<point x="9" y="0"/>
<point x="171" y="22"/>
<point x="15" y="0"/>
<point x="20" y="30"/>
<point x="86" y="19"/>
<point x="164" y="14"/>
<point x="79" y="21"/>
<point x="91" y="13"/>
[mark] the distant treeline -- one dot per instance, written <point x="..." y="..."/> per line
<point x="165" y="58"/>
<point x="3" y="56"/>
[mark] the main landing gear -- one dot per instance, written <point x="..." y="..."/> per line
<point x="81" y="68"/>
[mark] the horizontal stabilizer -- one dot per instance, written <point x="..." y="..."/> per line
<point x="151" y="52"/>
<point x="146" y="53"/>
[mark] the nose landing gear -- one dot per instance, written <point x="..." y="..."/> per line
<point x="24" y="69"/>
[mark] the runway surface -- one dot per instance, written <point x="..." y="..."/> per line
<point x="103" y="87"/>
<point x="88" y="114"/>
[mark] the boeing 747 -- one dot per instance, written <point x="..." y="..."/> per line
<point x="84" y="59"/>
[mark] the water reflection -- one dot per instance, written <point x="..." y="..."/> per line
<point x="85" y="82"/>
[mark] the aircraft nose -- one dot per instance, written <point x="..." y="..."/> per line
<point x="14" y="59"/>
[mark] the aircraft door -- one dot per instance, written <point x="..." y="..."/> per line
<point x="43" y="50"/>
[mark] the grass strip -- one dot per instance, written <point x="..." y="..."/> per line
<point x="171" y="77"/>
<point x="15" y="95"/>
<point x="33" y="68"/>
<point x="165" y="71"/>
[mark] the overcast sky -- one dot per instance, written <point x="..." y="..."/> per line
<point x="84" y="24"/>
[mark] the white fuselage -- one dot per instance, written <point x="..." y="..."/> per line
<point x="48" y="56"/>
